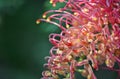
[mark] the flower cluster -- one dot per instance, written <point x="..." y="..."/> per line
<point x="89" y="38"/>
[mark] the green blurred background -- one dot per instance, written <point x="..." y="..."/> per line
<point x="23" y="43"/>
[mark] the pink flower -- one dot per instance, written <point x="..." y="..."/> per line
<point x="90" y="31"/>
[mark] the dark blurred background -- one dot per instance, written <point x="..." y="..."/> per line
<point x="23" y="43"/>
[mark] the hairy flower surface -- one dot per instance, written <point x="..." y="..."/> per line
<point x="89" y="38"/>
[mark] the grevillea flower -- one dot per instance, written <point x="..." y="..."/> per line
<point x="89" y="38"/>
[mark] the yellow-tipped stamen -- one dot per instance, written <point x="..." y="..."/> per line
<point x="48" y="73"/>
<point x="59" y="51"/>
<point x="38" y="21"/>
<point x="76" y="14"/>
<point x="67" y="26"/>
<point x="44" y="16"/>
<point x="48" y="19"/>
<point x="94" y="18"/>
<point x="89" y="76"/>
<point x="85" y="10"/>
<point x="51" y="1"/>
<point x="69" y="57"/>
